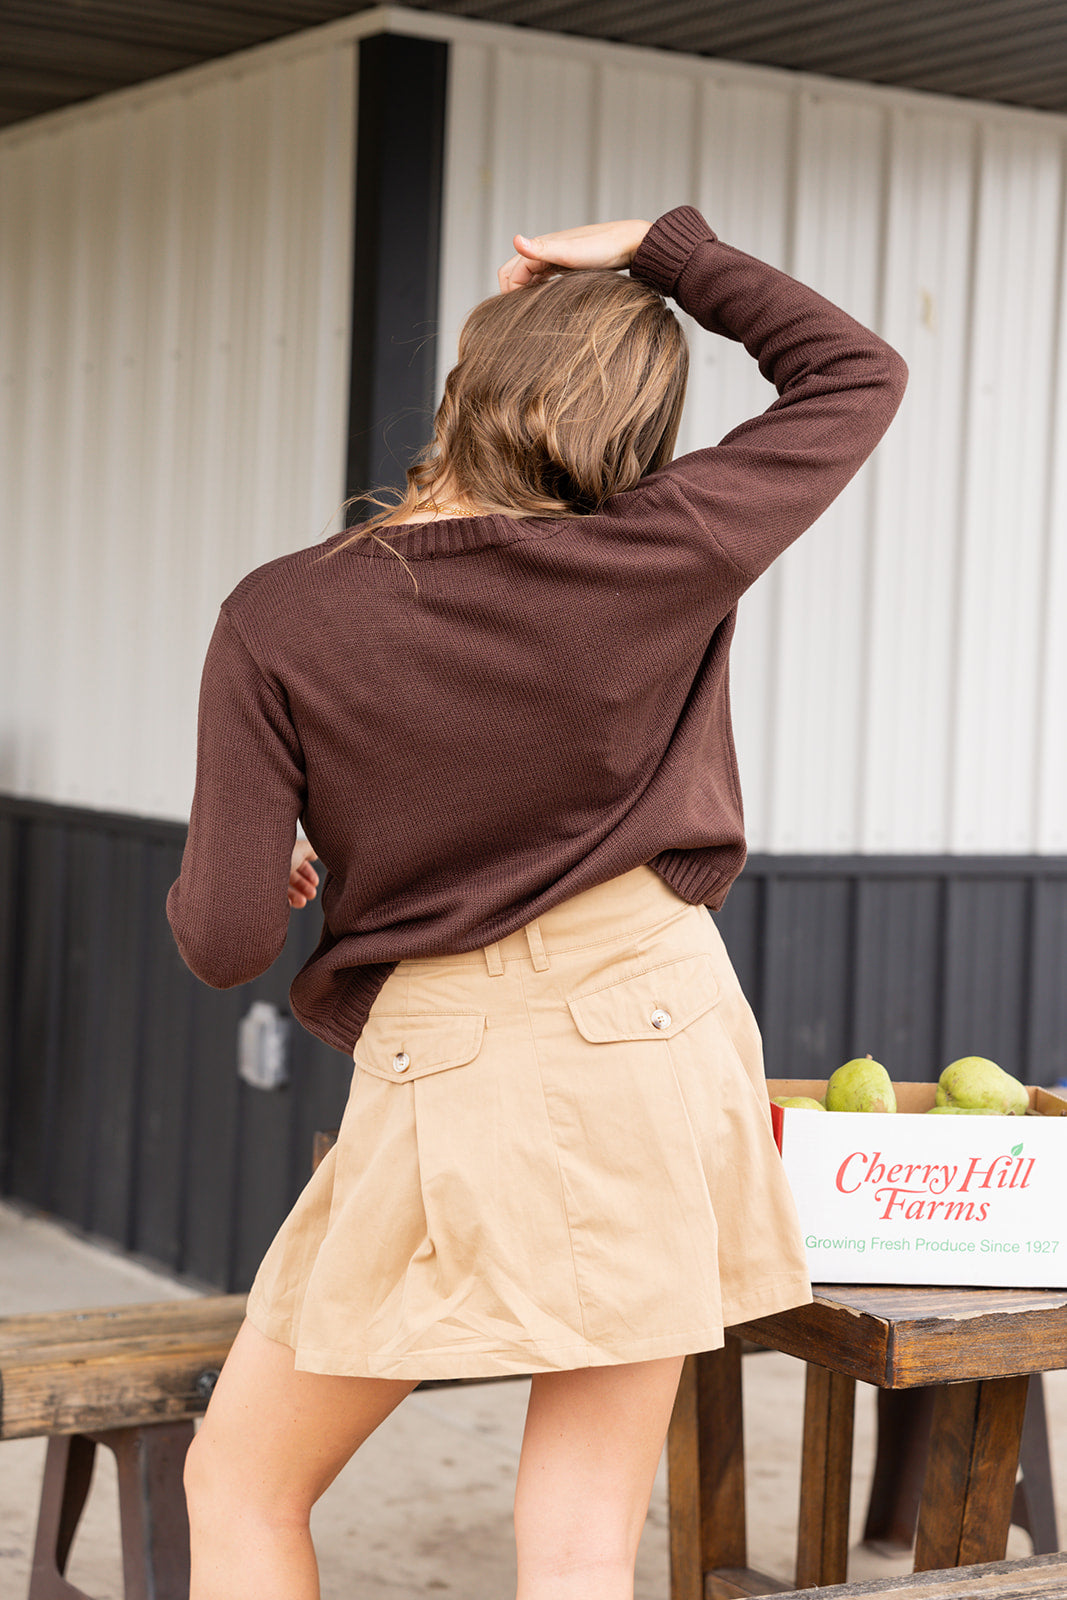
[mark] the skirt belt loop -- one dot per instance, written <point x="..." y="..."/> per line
<point x="494" y="960"/>
<point x="537" y="948"/>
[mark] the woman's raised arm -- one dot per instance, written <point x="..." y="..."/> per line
<point x="838" y="384"/>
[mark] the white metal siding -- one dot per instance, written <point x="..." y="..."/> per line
<point x="174" y="268"/>
<point x="175" y="307"/>
<point x="900" y="675"/>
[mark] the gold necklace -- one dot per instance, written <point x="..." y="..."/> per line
<point x="448" y="509"/>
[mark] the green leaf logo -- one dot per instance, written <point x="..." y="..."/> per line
<point x="1016" y="1149"/>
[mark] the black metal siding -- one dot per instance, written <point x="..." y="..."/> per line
<point x="120" y="1106"/>
<point x="917" y="959"/>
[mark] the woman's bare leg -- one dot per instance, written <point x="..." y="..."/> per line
<point x="589" y="1455"/>
<point x="272" y="1440"/>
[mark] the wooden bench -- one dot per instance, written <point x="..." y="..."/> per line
<point x="1039" y="1578"/>
<point x="131" y="1378"/>
<point x="980" y="1349"/>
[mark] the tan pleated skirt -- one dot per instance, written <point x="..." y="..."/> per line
<point x="556" y="1153"/>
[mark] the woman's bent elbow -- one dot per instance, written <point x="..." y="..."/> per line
<point x="223" y="958"/>
<point x="896" y="373"/>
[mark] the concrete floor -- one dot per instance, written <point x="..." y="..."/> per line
<point x="425" y="1507"/>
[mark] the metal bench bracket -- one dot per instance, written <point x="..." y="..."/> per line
<point x="155" y="1528"/>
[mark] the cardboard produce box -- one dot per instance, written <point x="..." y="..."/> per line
<point x="906" y="1198"/>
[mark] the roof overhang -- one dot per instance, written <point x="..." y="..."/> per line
<point x="57" y="52"/>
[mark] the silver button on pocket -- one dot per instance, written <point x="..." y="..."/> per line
<point x="401" y="1061"/>
<point x="660" y="1019"/>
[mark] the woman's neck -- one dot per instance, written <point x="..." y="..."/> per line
<point x="442" y="502"/>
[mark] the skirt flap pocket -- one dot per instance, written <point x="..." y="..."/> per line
<point x="402" y="1047"/>
<point x="654" y="1004"/>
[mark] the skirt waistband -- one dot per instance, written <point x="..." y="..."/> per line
<point x="605" y="914"/>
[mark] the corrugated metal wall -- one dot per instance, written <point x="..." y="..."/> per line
<point x="175" y="264"/>
<point x="900" y="677"/>
<point x="174" y="269"/>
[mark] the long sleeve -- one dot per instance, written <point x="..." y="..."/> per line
<point x="838" y="383"/>
<point x="229" y="910"/>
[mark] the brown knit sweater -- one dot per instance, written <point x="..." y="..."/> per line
<point x="549" y="709"/>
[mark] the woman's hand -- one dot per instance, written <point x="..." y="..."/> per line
<point x="601" y="244"/>
<point x="303" y="879"/>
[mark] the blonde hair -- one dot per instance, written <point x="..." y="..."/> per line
<point x="564" y="393"/>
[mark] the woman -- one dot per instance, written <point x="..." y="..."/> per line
<point x="500" y="712"/>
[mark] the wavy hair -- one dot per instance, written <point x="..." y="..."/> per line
<point x="564" y="393"/>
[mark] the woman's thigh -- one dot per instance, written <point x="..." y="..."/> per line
<point x="276" y="1437"/>
<point x="590" y="1450"/>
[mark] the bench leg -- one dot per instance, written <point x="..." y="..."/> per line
<point x="706" y="1483"/>
<point x="825" y="1478"/>
<point x="1034" y="1505"/>
<point x="155" y="1524"/>
<point x="970" y="1473"/>
<point x="152" y="1515"/>
<point x="68" y="1472"/>
<point x="706" y="1471"/>
<point x="903" y="1441"/>
<point x="899" y="1464"/>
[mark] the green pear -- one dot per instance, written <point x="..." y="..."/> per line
<point x="799" y="1102"/>
<point x="860" y="1085"/>
<point x="975" y="1084"/>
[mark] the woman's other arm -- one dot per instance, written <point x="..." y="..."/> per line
<point x="839" y="386"/>
<point x="229" y="909"/>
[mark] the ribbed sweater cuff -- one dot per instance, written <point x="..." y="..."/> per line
<point x="664" y="251"/>
<point x="688" y="872"/>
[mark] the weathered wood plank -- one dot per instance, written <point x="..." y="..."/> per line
<point x="156" y="1388"/>
<point x="996" y="1344"/>
<point x="901" y="1338"/>
<point x="919" y="1303"/>
<point x="111" y="1355"/>
<point x="145" y="1373"/>
<point x="70" y="1327"/>
<point x="828" y="1333"/>
<point x="1039" y="1578"/>
<point x="738" y="1583"/>
<point x="826" y="1478"/>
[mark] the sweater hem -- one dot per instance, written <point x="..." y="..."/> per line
<point x="692" y="880"/>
